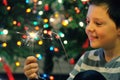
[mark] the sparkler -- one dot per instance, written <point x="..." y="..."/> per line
<point x="31" y="36"/>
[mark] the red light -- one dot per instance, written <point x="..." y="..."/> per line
<point x="46" y="7"/>
<point x="56" y="49"/>
<point x="24" y="36"/>
<point x="51" y="77"/>
<point x="26" y="28"/>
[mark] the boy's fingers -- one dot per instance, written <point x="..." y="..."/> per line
<point x="30" y="59"/>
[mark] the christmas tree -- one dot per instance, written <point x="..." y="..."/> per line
<point x="42" y="28"/>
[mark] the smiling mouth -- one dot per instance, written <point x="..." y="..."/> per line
<point x="93" y="38"/>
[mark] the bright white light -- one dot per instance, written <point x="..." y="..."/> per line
<point x="62" y="35"/>
<point x="40" y="12"/>
<point x="52" y="19"/>
<point x="39" y="2"/>
<point x="65" y="42"/>
<point x="81" y="24"/>
<point x="60" y="1"/>
<point x="32" y="35"/>
<point x="5" y="31"/>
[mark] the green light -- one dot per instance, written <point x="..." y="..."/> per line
<point x="46" y="25"/>
<point x="35" y="23"/>
<point x="36" y="38"/>
<point x="1" y="33"/>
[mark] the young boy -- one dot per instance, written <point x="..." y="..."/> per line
<point x="103" y="30"/>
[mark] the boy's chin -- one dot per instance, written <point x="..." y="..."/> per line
<point x="94" y="46"/>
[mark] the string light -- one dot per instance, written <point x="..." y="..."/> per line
<point x="45" y="75"/>
<point x="27" y="1"/>
<point x="65" y="41"/>
<point x="45" y="31"/>
<point x="4" y="44"/>
<point x="35" y="1"/>
<point x="81" y="23"/>
<point x="28" y="10"/>
<point x="19" y="43"/>
<point x="65" y="23"/>
<point x="51" y="48"/>
<point x="61" y="34"/>
<point x="37" y="28"/>
<point x="39" y="56"/>
<point x="45" y="25"/>
<point x="51" y="77"/>
<point x="18" y="24"/>
<point x="8" y="8"/>
<point x="39" y="2"/>
<point x="56" y="14"/>
<point x="40" y="42"/>
<point x="26" y="28"/>
<point x="5" y="31"/>
<point x="52" y="19"/>
<point x="77" y="10"/>
<point x="45" y="20"/>
<point x="46" y="7"/>
<point x="17" y="63"/>
<point x="56" y="49"/>
<point x="14" y="22"/>
<point x="49" y="33"/>
<point x="60" y="1"/>
<point x="35" y="23"/>
<point x="24" y="36"/>
<point x="40" y="12"/>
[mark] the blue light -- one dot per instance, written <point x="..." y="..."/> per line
<point x="40" y="57"/>
<point x="27" y="1"/>
<point x="51" y="48"/>
<point x="45" y="75"/>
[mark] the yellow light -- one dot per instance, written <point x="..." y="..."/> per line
<point x="14" y="22"/>
<point x="8" y="8"/>
<point x="45" y="31"/>
<point x="17" y="63"/>
<point x="45" y="20"/>
<point x="56" y="15"/>
<point x="65" y="23"/>
<point x="19" y="43"/>
<point x="4" y="44"/>
<point x="37" y="55"/>
<point x="28" y="10"/>
<point x="40" y="42"/>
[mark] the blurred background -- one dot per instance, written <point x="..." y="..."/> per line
<point x="51" y="30"/>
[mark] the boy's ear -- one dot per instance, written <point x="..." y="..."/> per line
<point x="119" y="31"/>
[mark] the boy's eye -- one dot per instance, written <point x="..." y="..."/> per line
<point x="87" y="21"/>
<point x="97" y="23"/>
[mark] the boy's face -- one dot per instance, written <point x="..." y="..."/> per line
<point x="101" y="30"/>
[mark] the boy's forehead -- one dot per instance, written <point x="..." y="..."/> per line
<point x="94" y="8"/>
<point x="97" y="11"/>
